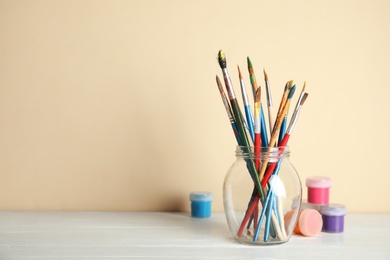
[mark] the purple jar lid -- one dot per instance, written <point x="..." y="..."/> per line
<point x="333" y="210"/>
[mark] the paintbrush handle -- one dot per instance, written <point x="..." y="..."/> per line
<point x="235" y="131"/>
<point x="257" y="150"/>
<point x="270" y="119"/>
<point x="249" y="121"/>
<point x="245" y="144"/>
<point x="282" y="130"/>
<point x="264" y="136"/>
<point x="265" y="206"/>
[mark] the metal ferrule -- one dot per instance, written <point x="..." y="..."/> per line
<point x="228" y="110"/>
<point x="244" y="95"/>
<point x="229" y="85"/>
<point x="293" y="119"/>
<point x="257" y="125"/>
<point x="268" y="92"/>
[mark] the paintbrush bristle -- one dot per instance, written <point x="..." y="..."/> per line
<point x="250" y="67"/>
<point x="249" y="62"/>
<point x="303" y="98"/>
<point x="304" y="87"/>
<point x="265" y="75"/>
<point x="286" y="87"/>
<point x="222" y="59"/>
<point x="258" y="95"/>
<point x="290" y="84"/>
<point x="239" y="72"/>
<point x="219" y="84"/>
<point x="291" y="93"/>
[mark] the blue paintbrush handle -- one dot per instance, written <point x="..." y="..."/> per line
<point x="249" y="120"/>
<point x="263" y="211"/>
<point x="234" y="126"/>
<point x="268" y="219"/>
<point x="263" y="132"/>
<point x="282" y="130"/>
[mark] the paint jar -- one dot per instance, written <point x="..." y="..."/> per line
<point x="307" y="205"/>
<point x="201" y="204"/>
<point x="309" y="220"/>
<point x="259" y="189"/>
<point x="333" y="218"/>
<point x="318" y="189"/>
<point x="309" y="223"/>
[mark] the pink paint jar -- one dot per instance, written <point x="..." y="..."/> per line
<point x="309" y="223"/>
<point x="318" y="189"/>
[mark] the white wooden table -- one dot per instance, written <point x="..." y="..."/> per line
<point x="131" y="235"/>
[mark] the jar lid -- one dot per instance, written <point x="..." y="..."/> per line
<point x="310" y="222"/>
<point x="318" y="182"/>
<point x="307" y="205"/>
<point x="333" y="210"/>
<point x="201" y="196"/>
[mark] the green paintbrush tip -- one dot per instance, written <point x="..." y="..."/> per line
<point x="249" y="62"/>
<point x="222" y="59"/>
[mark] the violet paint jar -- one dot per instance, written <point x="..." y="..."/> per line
<point x="318" y="189"/>
<point x="333" y="218"/>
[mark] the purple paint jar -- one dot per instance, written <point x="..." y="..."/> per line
<point x="333" y="218"/>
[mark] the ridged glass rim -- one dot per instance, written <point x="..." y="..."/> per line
<point x="265" y="152"/>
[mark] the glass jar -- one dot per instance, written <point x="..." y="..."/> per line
<point x="262" y="196"/>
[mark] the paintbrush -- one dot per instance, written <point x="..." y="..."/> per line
<point x="276" y="129"/>
<point x="228" y="109"/>
<point x="255" y="86"/>
<point x="269" y="100"/>
<point x="248" y="113"/>
<point x="294" y="118"/>
<point x="257" y="128"/>
<point x="287" y="88"/>
<point x="282" y="112"/>
<point x="286" y="137"/>
<point x="239" y="121"/>
<point x="252" y="76"/>
<point x="269" y="209"/>
<point x="271" y="169"/>
<point x="280" y="230"/>
<point x="284" y="123"/>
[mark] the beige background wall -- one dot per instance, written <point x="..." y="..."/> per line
<point x="112" y="105"/>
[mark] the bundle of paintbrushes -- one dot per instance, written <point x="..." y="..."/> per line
<point x="252" y="138"/>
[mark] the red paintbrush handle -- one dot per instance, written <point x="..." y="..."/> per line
<point x="271" y="166"/>
<point x="267" y="175"/>
<point x="285" y="140"/>
<point x="257" y="150"/>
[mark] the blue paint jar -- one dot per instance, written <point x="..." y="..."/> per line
<point x="201" y="204"/>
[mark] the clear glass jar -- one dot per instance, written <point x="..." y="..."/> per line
<point x="262" y="210"/>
